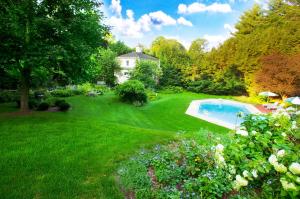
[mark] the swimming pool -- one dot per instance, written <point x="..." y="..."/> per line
<point x="221" y="112"/>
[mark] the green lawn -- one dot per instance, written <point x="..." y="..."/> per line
<point x="76" y="154"/>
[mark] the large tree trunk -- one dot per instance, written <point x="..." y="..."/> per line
<point x="24" y="89"/>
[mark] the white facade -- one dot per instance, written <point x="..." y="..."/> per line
<point x="128" y="62"/>
<point x="127" y="65"/>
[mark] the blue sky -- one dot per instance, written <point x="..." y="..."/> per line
<point x="141" y="21"/>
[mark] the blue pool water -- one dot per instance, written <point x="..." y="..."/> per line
<point x="223" y="111"/>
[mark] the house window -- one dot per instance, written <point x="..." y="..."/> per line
<point x="127" y="62"/>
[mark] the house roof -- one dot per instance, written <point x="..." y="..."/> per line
<point x="138" y="55"/>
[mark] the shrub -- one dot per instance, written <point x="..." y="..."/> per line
<point x="58" y="102"/>
<point x="43" y="106"/>
<point x="151" y="95"/>
<point x="84" y="88"/>
<point x="261" y="160"/>
<point x="62" y="93"/>
<point x="148" y="72"/>
<point x="172" y="89"/>
<point x="64" y="106"/>
<point x="178" y="170"/>
<point x="8" y="96"/>
<point x="263" y="152"/>
<point x="132" y="91"/>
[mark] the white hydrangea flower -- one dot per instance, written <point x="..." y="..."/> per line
<point x="281" y="153"/>
<point x="232" y="170"/>
<point x="246" y="174"/>
<point x="283" y="134"/>
<point x="242" y="132"/>
<point x="294" y="125"/>
<point x="220" y="159"/>
<point x="253" y="132"/>
<point x="272" y="159"/>
<point x="219" y="148"/>
<point x="289" y="186"/>
<point x="240" y="182"/>
<point x="280" y="167"/>
<point x="254" y="173"/>
<point x="295" y="168"/>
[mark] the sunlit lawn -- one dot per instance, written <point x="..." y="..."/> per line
<point x="76" y="154"/>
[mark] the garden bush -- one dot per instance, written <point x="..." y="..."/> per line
<point x="63" y="93"/>
<point x="64" y="106"/>
<point x="58" y="102"/>
<point x="132" y="91"/>
<point x="171" y="89"/>
<point x="261" y="160"/>
<point x="43" y="106"/>
<point x="8" y="96"/>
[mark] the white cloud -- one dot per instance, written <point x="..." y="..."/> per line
<point x="230" y="28"/>
<point x="199" y="7"/>
<point x="116" y="7"/>
<point x="215" y="40"/>
<point x="160" y="18"/>
<point x="129" y="14"/>
<point x="184" y="22"/>
<point x="135" y="28"/>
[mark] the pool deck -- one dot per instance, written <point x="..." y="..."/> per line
<point x="194" y="107"/>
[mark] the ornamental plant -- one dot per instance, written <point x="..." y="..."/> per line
<point x="265" y="155"/>
<point x="132" y="91"/>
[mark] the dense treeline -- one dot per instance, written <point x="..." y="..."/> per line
<point x="48" y="43"/>
<point x="233" y="67"/>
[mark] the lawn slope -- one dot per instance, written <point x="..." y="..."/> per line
<point x="75" y="154"/>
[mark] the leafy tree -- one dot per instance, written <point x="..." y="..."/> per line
<point x="119" y="48"/>
<point x="148" y="72"/>
<point x="173" y="57"/>
<point x="280" y="74"/>
<point x="107" y="66"/>
<point x="49" y="38"/>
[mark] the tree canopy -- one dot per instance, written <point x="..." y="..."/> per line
<point x="50" y="40"/>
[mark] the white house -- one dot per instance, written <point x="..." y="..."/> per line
<point x="128" y="62"/>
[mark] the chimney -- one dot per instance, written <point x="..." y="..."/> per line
<point x="139" y="49"/>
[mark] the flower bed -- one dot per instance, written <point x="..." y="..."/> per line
<point x="260" y="161"/>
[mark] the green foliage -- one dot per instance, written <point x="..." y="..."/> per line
<point x="132" y="91"/>
<point x="8" y="96"/>
<point x="180" y="170"/>
<point x="105" y="60"/>
<point x="62" y="93"/>
<point x="119" y="48"/>
<point x="260" y="161"/>
<point x="45" y="41"/>
<point x="263" y="153"/>
<point x="84" y="88"/>
<point x="148" y="72"/>
<point x="174" y="59"/>
<point x="171" y="89"/>
<point x="64" y="106"/>
<point x="43" y="106"/>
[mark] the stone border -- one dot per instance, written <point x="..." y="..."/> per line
<point x="194" y="107"/>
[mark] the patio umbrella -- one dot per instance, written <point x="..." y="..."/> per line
<point x="268" y="94"/>
<point x="296" y="101"/>
<point x="290" y="99"/>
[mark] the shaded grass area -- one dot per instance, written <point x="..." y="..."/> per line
<point x="76" y="154"/>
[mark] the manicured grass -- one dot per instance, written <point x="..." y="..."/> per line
<point x="76" y="154"/>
